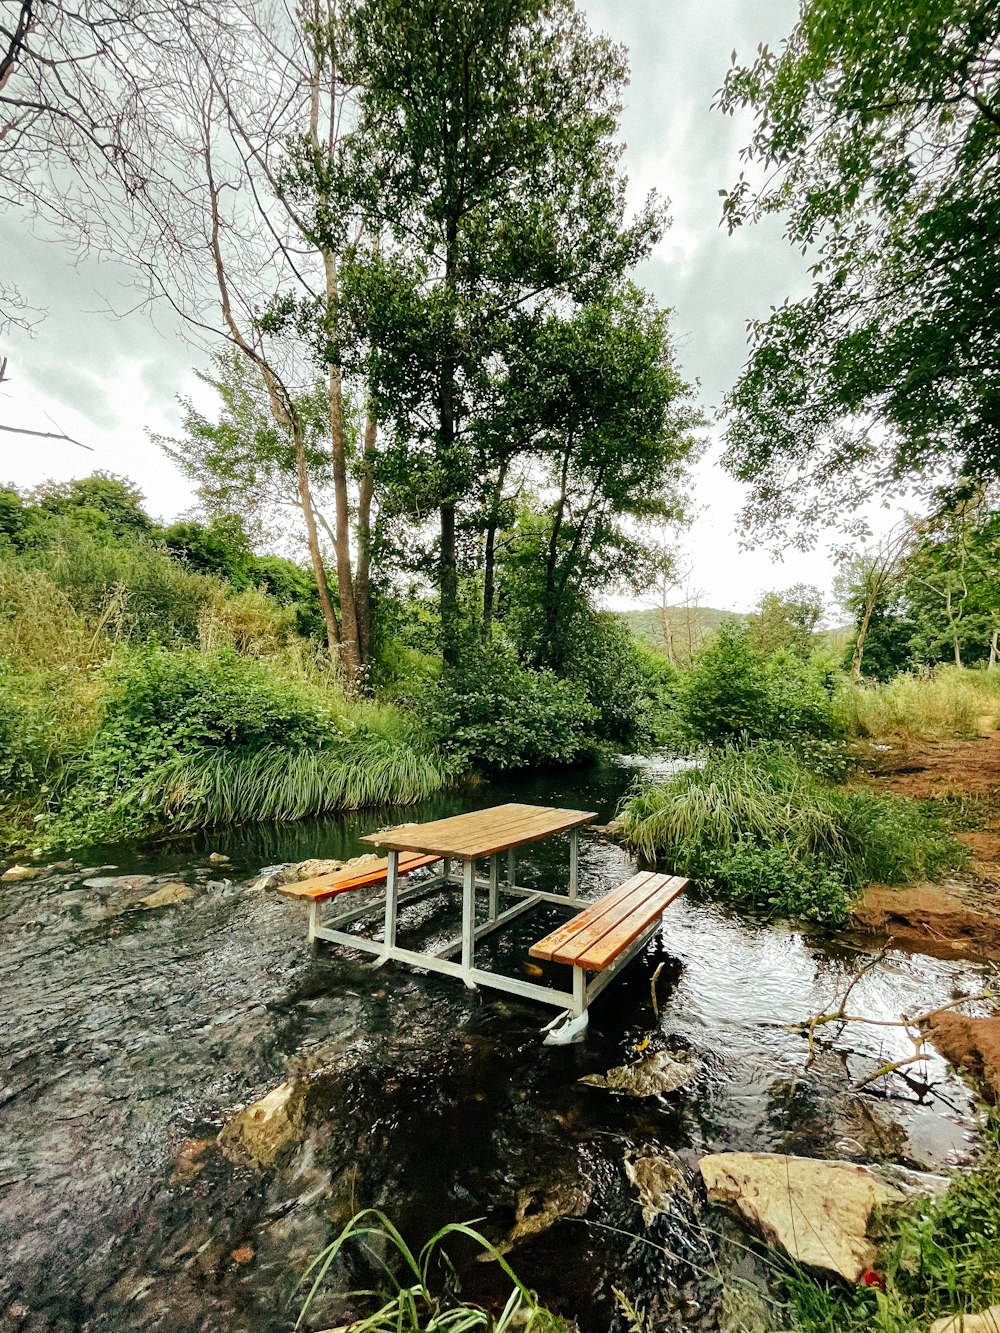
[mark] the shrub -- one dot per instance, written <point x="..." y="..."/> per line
<point x="493" y="712"/>
<point x="734" y="692"/>
<point x="758" y="827"/>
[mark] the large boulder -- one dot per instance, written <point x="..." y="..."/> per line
<point x="816" y="1212"/>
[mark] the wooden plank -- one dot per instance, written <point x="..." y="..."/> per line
<point x="480" y="833"/>
<point x="603" y="953"/>
<point x="319" y="887"/>
<point x="547" y="947"/>
<point x="599" y="926"/>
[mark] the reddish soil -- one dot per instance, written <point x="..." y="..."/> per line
<point x="961" y="918"/>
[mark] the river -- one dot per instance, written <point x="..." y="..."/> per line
<point x="130" y="1036"/>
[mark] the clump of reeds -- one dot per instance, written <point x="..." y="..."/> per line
<point x="944" y="703"/>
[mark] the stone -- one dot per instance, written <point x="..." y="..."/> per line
<point x="219" y="859"/>
<point x="259" y="1133"/>
<point x="189" y="1160"/>
<point x="167" y="894"/>
<point x="658" y="1180"/>
<point x="539" y="1208"/>
<point x="118" y="882"/>
<point x="655" y="1074"/>
<point x="15" y="874"/>
<point x="986" y="1321"/>
<point x="273" y="877"/>
<point x="972" y="1044"/>
<point x="815" y="1212"/>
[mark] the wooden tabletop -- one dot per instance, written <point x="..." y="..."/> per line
<point x="481" y="832"/>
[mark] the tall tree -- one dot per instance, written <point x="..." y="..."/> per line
<point x="486" y="163"/>
<point x="878" y="138"/>
<point x="865" y="579"/>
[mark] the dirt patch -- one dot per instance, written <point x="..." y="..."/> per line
<point x="972" y="1044"/>
<point x="960" y="919"/>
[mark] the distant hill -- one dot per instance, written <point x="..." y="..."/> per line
<point x="689" y="626"/>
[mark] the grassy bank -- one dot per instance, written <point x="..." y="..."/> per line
<point x="935" y="706"/>
<point x="759" y="828"/>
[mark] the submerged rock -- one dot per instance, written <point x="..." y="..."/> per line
<point x="219" y="859"/>
<point x="118" y="882"/>
<point x="987" y="1321"/>
<point x="815" y="1212"/>
<point x="167" y="894"/>
<point x="659" y="1182"/>
<point x="260" y="1131"/>
<point x="972" y="1044"/>
<point x="273" y="877"/>
<point x="652" y="1076"/>
<point x="539" y="1208"/>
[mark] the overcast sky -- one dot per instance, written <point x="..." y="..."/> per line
<point x="106" y="381"/>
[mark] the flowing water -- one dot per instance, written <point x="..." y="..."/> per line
<point x="129" y="1036"/>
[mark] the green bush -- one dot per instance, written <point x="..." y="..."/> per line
<point x="734" y="692"/>
<point x="758" y="827"/>
<point x="188" y="739"/>
<point x="493" y="713"/>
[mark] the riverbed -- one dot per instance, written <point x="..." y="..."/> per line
<point x="129" y="1037"/>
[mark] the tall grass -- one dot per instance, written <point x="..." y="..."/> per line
<point x="756" y="825"/>
<point x="406" y="1302"/>
<point x="221" y="786"/>
<point x="949" y="702"/>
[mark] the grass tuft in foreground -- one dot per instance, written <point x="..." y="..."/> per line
<point x="759" y="828"/>
<point x="406" y="1300"/>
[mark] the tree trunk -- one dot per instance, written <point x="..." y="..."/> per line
<point x="993" y="650"/>
<point x="312" y="538"/>
<point x="448" y="560"/>
<point x="859" y="642"/>
<point x="362" y="580"/>
<point x="489" y="556"/>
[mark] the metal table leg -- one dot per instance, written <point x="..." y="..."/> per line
<point x="468" y="922"/>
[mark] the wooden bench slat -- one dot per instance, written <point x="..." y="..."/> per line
<point x="551" y="944"/>
<point x="606" y="950"/>
<point x="633" y="905"/>
<point x="600" y="933"/>
<point x="320" y="887"/>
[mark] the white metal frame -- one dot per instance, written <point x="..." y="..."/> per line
<point x="572" y="1003"/>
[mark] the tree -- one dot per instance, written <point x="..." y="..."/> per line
<point x="786" y="620"/>
<point x="878" y="137"/>
<point x="865" y="580"/>
<point x="485" y="162"/>
<point x="953" y="585"/>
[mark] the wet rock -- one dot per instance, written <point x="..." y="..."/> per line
<point x="189" y="1160"/>
<point x="986" y="1321"/>
<point x="167" y="894"/>
<point x="15" y="874"/>
<point x="540" y="1207"/>
<point x="118" y="882"/>
<point x="259" y="1133"/>
<point x="219" y="859"/>
<point x="659" y="1181"/>
<point x="815" y="1212"/>
<point x="652" y="1076"/>
<point x="273" y="877"/>
<point x="972" y="1044"/>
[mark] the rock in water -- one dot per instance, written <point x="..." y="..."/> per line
<point x="17" y="873"/>
<point x="987" y="1321"/>
<point x="265" y="1127"/>
<point x="167" y="894"/>
<point x="539" y="1208"/>
<point x="652" y="1076"/>
<point x="658" y="1180"/>
<point x="816" y="1212"/>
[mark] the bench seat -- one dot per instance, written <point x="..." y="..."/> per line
<point x="320" y="888"/>
<point x="597" y="937"/>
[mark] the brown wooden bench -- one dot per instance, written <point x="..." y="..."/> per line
<point x="599" y="936"/>
<point x="321" y="887"/>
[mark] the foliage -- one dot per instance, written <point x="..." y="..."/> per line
<point x="878" y="137"/>
<point x="756" y="826"/>
<point x="492" y="712"/>
<point x="786" y="620"/>
<point x="188" y="738"/>
<point x="943" y="703"/>
<point x="734" y="691"/>
<point x="939" y="1259"/>
<point x="409" y="1305"/>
